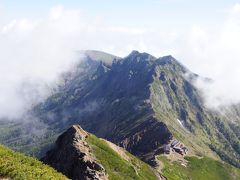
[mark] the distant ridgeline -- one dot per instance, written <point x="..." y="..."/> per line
<point x="138" y="102"/>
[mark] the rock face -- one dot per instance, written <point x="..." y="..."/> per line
<point x="72" y="156"/>
<point x="111" y="101"/>
<point x="138" y="102"/>
<point x="135" y="101"/>
<point x="145" y="141"/>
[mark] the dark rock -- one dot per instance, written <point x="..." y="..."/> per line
<point x="162" y="76"/>
<point x="146" y="140"/>
<point x="173" y="86"/>
<point x="72" y="156"/>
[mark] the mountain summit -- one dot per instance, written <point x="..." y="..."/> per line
<point x="140" y="103"/>
<point x="73" y="157"/>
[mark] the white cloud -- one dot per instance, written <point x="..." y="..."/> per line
<point x="37" y="50"/>
<point x="235" y="9"/>
<point x="127" y="30"/>
<point x="9" y="26"/>
<point x="33" y="54"/>
<point x="216" y="54"/>
<point x="56" y="12"/>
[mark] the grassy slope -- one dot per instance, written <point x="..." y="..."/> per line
<point x="197" y="141"/>
<point x="18" y="166"/>
<point x="199" y="169"/>
<point x="213" y="133"/>
<point x="117" y="167"/>
<point x="164" y="111"/>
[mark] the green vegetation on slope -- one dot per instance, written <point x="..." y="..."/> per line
<point x="20" y="138"/>
<point x="17" y="166"/>
<point x="175" y="99"/>
<point x="198" y="169"/>
<point x="117" y="167"/>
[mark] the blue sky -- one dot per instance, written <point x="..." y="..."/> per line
<point x="159" y="13"/>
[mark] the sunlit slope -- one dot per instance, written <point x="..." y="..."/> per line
<point x="17" y="166"/>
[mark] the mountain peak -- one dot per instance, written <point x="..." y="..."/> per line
<point x="81" y="155"/>
<point x="78" y="129"/>
<point x="169" y="59"/>
<point x="72" y="156"/>
<point x="138" y="56"/>
<point x="134" y="52"/>
<point x="100" y="56"/>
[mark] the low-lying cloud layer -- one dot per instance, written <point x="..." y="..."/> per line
<point x="216" y="54"/>
<point x="35" y="51"/>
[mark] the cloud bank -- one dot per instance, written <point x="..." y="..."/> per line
<point x="216" y="54"/>
<point x="35" y="51"/>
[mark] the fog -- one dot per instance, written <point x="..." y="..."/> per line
<point x="35" y="51"/>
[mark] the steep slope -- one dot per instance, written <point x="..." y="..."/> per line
<point x="72" y="156"/>
<point x="178" y="104"/>
<point x="138" y="102"/>
<point x="14" y="165"/>
<point x="198" y="169"/>
<point x="80" y="155"/>
<point x="113" y="103"/>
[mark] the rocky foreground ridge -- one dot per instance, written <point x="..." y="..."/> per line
<point x="75" y="156"/>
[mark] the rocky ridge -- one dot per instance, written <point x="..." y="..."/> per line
<point x="73" y="157"/>
<point x="138" y="102"/>
<point x="82" y="156"/>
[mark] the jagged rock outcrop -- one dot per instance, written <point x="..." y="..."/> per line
<point x="82" y="156"/>
<point x="73" y="157"/>
<point x="138" y="102"/>
<point x="145" y="141"/>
